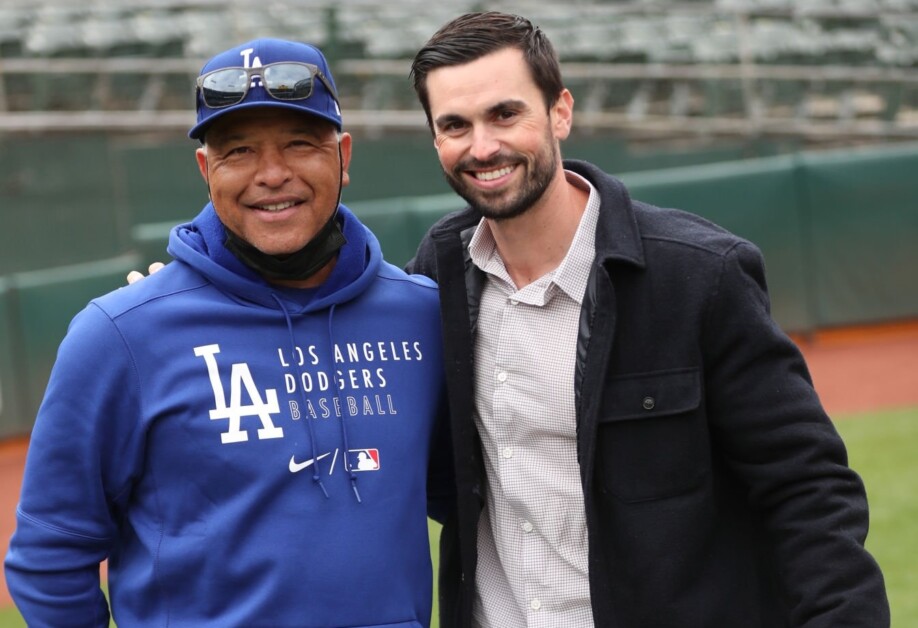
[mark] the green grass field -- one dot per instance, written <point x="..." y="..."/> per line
<point x="881" y="448"/>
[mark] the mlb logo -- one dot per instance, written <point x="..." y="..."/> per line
<point x="363" y="459"/>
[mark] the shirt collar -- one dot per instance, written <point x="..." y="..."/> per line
<point x="573" y="272"/>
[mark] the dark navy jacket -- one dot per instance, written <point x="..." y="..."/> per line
<point x="717" y="490"/>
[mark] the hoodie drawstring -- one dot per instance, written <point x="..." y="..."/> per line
<point x="347" y="462"/>
<point x="316" y="476"/>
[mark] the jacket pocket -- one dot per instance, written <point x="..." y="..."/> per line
<point x="652" y="436"/>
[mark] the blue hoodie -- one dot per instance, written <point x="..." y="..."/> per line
<point x="242" y="454"/>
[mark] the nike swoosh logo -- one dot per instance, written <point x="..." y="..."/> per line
<point x="296" y="467"/>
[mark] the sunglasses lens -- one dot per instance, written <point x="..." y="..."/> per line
<point x="288" y="81"/>
<point x="284" y="81"/>
<point x="224" y="87"/>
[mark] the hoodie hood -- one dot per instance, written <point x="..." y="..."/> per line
<point x="200" y="244"/>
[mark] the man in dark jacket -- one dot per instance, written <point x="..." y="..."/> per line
<point x="637" y="443"/>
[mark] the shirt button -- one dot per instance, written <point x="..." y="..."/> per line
<point x="527" y="527"/>
<point x="502" y="376"/>
<point x="649" y="403"/>
<point x="508" y="452"/>
<point x="514" y="302"/>
<point x="535" y="604"/>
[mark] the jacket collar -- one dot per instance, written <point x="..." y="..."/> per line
<point x="617" y="234"/>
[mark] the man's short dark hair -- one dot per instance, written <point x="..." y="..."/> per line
<point x="474" y="35"/>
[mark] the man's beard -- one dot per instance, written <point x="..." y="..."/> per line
<point x="505" y="203"/>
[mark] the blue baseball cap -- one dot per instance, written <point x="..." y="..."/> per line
<point x="260" y="52"/>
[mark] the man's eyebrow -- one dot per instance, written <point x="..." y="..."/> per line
<point x="504" y="105"/>
<point x="447" y="119"/>
<point x="510" y="103"/>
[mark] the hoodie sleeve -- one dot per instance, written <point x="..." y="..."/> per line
<point x="84" y="448"/>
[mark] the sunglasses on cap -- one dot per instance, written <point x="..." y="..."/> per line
<point x="284" y="80"/>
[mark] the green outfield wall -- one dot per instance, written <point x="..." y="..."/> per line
<point x="839" y="230"/>
<point x="15" y="415"/>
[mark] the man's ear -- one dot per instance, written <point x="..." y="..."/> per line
<point x="201" y="156"/>
<point x="344" y="146"/>
<point x="562" y="115"/>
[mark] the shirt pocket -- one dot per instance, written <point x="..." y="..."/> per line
<point x="652" y="436"/>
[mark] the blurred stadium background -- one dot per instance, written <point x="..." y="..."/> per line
<point x="792" y="122"/>
<point x="822" y="71"/>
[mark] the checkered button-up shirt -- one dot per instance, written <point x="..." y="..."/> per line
<point x="532" y="537"/>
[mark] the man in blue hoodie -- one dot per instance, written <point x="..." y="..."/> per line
<point x="245" y="436"/>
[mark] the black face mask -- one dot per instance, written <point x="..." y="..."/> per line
<point x="299" y="265"/>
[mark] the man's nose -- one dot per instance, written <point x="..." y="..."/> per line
<point x="273" y="169"/>
<point x="485" y="144"/>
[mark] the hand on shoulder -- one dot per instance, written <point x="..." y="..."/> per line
<point x="135" y="275"/>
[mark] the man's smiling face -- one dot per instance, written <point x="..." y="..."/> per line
<point x="497" y="144"/>
<point x="274" y="175"/>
